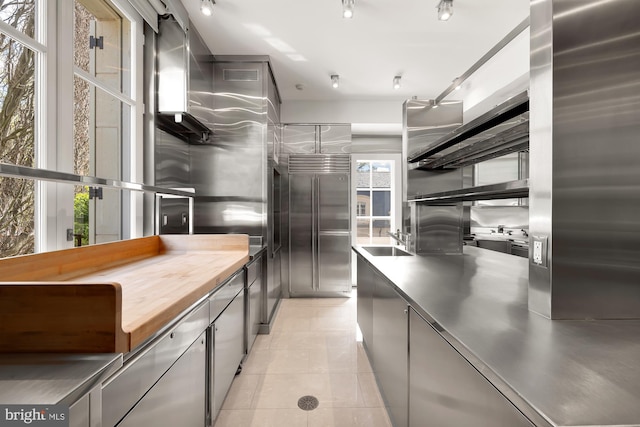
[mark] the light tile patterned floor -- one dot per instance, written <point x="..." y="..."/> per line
<point x="312" y="350"/>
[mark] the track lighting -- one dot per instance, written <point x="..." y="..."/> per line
<point x="347" y="8"/>
<point x="396" y="82"/>
<point x="445" y="10"/>
<point x="206" y="7"/>
<point x="335" y="81"/>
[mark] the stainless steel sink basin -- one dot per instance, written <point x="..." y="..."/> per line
<point x="385" y="251"/>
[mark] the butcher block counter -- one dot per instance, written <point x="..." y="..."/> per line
<point x="109" y="298"/>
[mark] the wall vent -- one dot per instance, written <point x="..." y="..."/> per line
<point x="232" y="75"/>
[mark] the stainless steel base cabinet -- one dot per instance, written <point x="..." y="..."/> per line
<point x="227" y="338"/>
<point x="253" y="299"/>
<point x="445" y="390"/>
<point x="177" y="399"/>
<point x="390" y="346"/>
<point x="366" y="284"/>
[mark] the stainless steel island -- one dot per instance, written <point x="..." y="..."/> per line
<point x="475" y="350"/>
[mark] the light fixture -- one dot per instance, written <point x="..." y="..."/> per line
<point x="347" y="8"/>
<point x="445" y="10"/>
<point x="335" y="81"/>
<point x="434" y="104"/>
<point x="396" y="82"/>
<point x="206" y="7"/>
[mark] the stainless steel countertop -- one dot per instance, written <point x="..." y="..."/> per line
<point x="254" y="250"/>
<point x="50" y="379"/>
<point x="559" y="373"/>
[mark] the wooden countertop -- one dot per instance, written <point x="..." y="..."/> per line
<point x="109" y="297"/>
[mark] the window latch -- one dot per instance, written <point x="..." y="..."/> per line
<point x="95" y="193"/>
<point x="96" y="42"/>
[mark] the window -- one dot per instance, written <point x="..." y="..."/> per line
<point x="17" y="124"/>
<point x="374" y="213"/>
<point x="91" y="72"/>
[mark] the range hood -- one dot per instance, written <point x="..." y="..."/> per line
<point x="185" y="82"/>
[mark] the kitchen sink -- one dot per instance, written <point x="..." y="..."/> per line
<point x="385" y="251"/>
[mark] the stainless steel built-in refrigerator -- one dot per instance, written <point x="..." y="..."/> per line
<point x="319" y="225"/>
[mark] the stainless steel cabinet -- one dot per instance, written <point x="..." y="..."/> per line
<point x="227" y="338"/>
<point x="79" y="413"/>
<point x="317" y="139"/>
<point x="390" y="348"/>
<point x="141" y="371"/>
<point x="253" y="297"/>
<point x="445" y="390"/>
<point x="178" y="398"/>
<point x="366" y="284"/>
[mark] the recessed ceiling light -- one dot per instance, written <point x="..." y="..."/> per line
<point x="335" y="81"/>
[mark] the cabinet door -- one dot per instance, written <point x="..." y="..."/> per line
<point x="228" y="349"/>
<point x="445" y="390"/>
<point x="366" y="284"/>
<point x="178" y="398"/>
<point x="390" y="360"/>
<point x="335" y="139"/>
<point x="299" y="139"/>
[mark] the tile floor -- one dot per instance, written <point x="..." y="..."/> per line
<point x="312" y="350"/>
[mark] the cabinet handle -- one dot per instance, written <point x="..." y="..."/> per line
<point x="173" y="334"/>
<point x="406" y="311"/>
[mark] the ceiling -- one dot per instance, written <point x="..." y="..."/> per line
<point x="309" y="40"/>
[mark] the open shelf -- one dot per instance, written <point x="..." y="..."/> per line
<point x="504" y="190"/>
<point x="502" y="130"/>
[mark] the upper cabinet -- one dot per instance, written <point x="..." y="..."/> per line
<point x="317" y="139"/>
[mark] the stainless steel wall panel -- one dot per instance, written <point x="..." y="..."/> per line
<point x="437" y="229"/>
<point x="423" y="125"/>
<point x="171" y="165"/>
<point x="584" y="148"/>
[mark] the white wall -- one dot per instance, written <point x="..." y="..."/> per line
<point x="503" y="76"/>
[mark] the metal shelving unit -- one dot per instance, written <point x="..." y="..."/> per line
<point x="502" y="130"/>
<point x="504" y="190"/>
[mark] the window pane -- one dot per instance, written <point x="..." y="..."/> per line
<point x="17" y="94"/>
<point x="381" y="166"/>
<point x="20" y="14"/>
<point x="104" y="58"/>
<point x="381" y="203"/>
<point x="363" y="235"/>
<point x="98" y="124"/>
<point x="364" y="203"/>
<point x="380" y="229"/>
<point x="381" y="175"/>
<point x="17" y="203"/>
<point x="363" y="175"/>
<point x="81" y="216"/>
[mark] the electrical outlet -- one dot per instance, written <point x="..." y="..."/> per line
<point x="539" y="251"/>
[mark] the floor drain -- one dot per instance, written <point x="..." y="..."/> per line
<point x="308" y="403"/>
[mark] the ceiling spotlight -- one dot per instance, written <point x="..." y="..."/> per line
<point x="445" y="10"/>
<point x="206" y="7"/>
<point x="347" y="8"/>
<point x="396" y="82"/>
<point x="335" y="81"/>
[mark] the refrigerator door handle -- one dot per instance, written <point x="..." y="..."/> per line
<point x="314" y="235"/>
